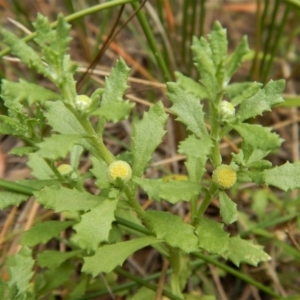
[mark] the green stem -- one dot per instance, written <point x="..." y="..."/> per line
<point x="153" y="43"/>
<point x="135" y="204"/>
<point x="98" y="143"/>
<point x="194" y="206"/>
<point x="205" y="203"/>
<point x="175" y="263"/>
<point x="72" y="17"/>
<point x="16" y="187"/>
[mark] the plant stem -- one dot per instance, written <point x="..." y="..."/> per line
<point x="205" y="203"/>
<point x="175" y="263"/>
<point x="72" y="17"/>
<point x="135" y="204"/>
<point x="276" y="42"/>
<point x="152" y="43"/>
<point x="16" y="187"/>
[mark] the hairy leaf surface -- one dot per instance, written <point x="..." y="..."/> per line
<point x="115" y="84"/>
<point x="108" y="257"/>
<point x="52" y="259"/>
<point x="212" y="237"/>
<point x="95" y="225"/>
<point x="21" y="270"/>
<point x="262" y="101"/>
<point x="197" y="151"/>
<point x="63" y="199"/>
<point x="285" y="177"/>
<point x="146" y="136"/>
<point x="188" y="109"/>
<point x="57" y="146"/>
<point x="245" y="251"/>
<point x="228" y="209"/>
<point x="258" y="136"/>
<point x="15" y="92"/>
<point x="8" y="198"/>
<point x="236" y="57"/>
<point x="173" y="230"/>
<point x="43" y="232"/>
<point x="172" y="191"/>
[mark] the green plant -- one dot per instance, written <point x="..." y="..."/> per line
<point x="57" y="129"/>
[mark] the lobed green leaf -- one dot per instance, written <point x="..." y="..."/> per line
<point x="43" y="232"/>
<point x="20" y="151"/>
<point x="63" y="199"/>
<point x="114" y="111"/>
<point x="95" y="225"/>
<point x="108" y="257"/>
<point x="24" y="52"/>
<point x="243" y="91"/>
<point x="21" y="270"/>
<point x="173" y="230"/>
<point x="212" y="237"/>
<point x="57" y="146"/>
<point x="188" y="109"/>
<point x="258" y="137"/>
<point x="12" y="126"/>
<point x="146" y="136"/>
<point x="203" y="57"/>
<point x="245" y="251"/>
<point x="40" y="168"/>
<point x="190" y="86"/>
<point x="53" y="42"/>
<point x="285" y="177"/>
<point x="14" y="93"/>
<point x="99" y="170"/>
<point x="197" y="151"/>
<point x="262" y="101"/>
<point x="172" y="191"/>
<point x="52" y="259"/>
<point x="62" y="119"/>
<point x="115" y="84"/>
<point x="8" y="198"/>
<point x="228" y="209"/>
<point x="218" y="44"/>
<point x="236" y="58"/>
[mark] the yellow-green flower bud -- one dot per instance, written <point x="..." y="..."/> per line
<point x="224" y="177"/>
<point x="83" y="102"/>
<point x="119" y="169"/>
<point x="226" y="110"/>
<point x="65" y="169"/>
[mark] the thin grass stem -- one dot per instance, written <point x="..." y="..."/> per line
<point x="276" y="42"/>
<point x="268" y="47"/>
<point x="153" y="44"/>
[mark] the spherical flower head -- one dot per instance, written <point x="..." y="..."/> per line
<point x="226" y="110"/>
<point x="224" y="177"/>
<point x="83" y="102"/>
<point x="119" y="169"/>
<point x="65" y="169"/>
